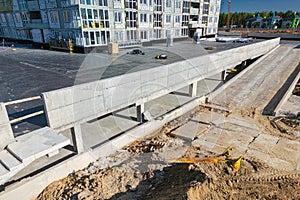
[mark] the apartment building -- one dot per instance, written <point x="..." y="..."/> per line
<point x="90" y="23"/>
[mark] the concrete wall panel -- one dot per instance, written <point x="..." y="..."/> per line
<point x="107" y="95"/>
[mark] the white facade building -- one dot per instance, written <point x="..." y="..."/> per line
<point x="92" y="23"/>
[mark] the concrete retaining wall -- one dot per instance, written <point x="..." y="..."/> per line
<point x="83" y="102"/>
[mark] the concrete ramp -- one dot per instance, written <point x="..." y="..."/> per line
<point x="28" y="148"/>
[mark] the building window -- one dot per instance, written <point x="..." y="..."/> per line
<point x="143" y="17"/>
<point x="18" y="18"/>
<point x="168" y="18"/>
<point x="67" y="16"/>
<point x="168" y="3"/>
<point x="53" y="17"/>
<point x="184" y="32"/>
<point x="119" y="36"/>
<point x="204" y="19"/>
<point x="210" y="19"/>
<point x="143" y="1"/>
<point x="25" y="18"/>
<point x="186" y="7"/>
<point x="130" y="4"/>
<point x="131" y="35"/>
<point x="96" y="37"/>
<point x="178" y="4"/>
<point x="157" y="20"/>
<point x="185" y="20"/>
<point x="143" y="35"/>
<point x="157" y="5"/>
<point x="3" y="19"/>
<point x="118" y="16"/>
<point x="131" y="19"/>
<point x="95" y="18"/>
<point x="103" y="3"/>
<point x="157" y="33"/>
<point x="205" y="9"/>
<point x="177" y="19"/>
<point x="22" y="4"/>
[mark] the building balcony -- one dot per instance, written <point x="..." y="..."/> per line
<point x="33" y="5"/>
<point x="194" y="24"/>
<point x="195" y="1"/>
<point x="36" y="25"/>
<point x="194" y="11"/>
<point x="36" y="21"/>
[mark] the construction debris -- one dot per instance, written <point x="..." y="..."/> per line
<point x="288" y="123"/>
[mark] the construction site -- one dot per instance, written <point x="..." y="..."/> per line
<point x="224" y="148"/>
<point x="196" y="118"/>
<point x="215" y="120"/>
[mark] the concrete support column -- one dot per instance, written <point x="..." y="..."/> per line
<point x="77" y="138"/>
<point x="193" y="89"/>
<point x="244" y="63"/>
<point x="140" y="109"/>
<point x="223" y="75"/>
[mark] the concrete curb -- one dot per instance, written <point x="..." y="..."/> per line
<point x="288" y="92"/>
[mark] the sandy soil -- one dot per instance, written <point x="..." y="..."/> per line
<point x="145" y="172"/>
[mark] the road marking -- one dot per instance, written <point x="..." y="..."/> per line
<point x="31" y="65"/>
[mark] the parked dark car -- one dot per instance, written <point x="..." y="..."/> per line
<point x="136" y="52"/>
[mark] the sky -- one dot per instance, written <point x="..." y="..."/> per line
<point x="261" y="5"/>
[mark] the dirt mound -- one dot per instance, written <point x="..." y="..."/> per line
<point x="179" y="181"/>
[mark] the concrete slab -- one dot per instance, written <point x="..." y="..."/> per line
<point x="209" y="117"/>
<point x="3" y="170"/>
<point x="264" y="143"/>
<point x="287" y="150"/>
<point x="189" y="130"/>
<point x="243" y="124"/>
<point x="96" y="132"/>
<point x="208" y="146"/>
<point x="264" y="157"/>
<point x="281" y="164"/>
<point x="36" y="144"/>
<point x="9" y="161"/>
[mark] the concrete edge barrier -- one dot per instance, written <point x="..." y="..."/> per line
<point x="227" y="84"/>
<point x="288" y="91"/>
<point x="61" y="114"/>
